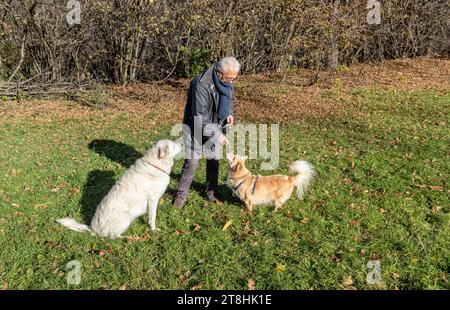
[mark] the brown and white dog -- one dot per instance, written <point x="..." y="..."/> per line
<point x="274" y="189"/>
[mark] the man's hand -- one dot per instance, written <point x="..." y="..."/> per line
<point x="230" y="120"/>
<point x="223" y="140"/>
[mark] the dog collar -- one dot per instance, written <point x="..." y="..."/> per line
<point x="160" y="169"/>
<point x="242" y="182"/>
<point x="254" y="184"/>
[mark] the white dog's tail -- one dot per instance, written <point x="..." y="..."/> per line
<point x="305" y="174"/>
<point x="74" y="225"/>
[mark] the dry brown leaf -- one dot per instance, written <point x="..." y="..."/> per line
<point x="304" y="220"/>
<point x="348" y="281"/>
<point x="246" y="226"/>
<point x="74" y="191"/>
<point x="197" y="287"/>
<point x="251" y="284"/>
<point x="437" y="188"/>
<point x="197" y="227"/>
<point x="104" y="252"/>
<point x="131" y="239"/>
<point x="347" y="181"/>
<point x="184" y="276"/>
<point x="41" y="206"/>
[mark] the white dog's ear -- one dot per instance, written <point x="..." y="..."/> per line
<point x="230" y="157"/>
<point x="163" y="151"/>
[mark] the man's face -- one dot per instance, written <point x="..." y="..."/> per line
<point x="228" y="76"/>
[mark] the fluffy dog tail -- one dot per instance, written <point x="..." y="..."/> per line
<point x="74" y="225"/>
<point x="305" y="174"/>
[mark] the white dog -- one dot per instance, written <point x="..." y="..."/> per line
<point x="137" y="192"/>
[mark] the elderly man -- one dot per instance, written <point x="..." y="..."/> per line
<point x="209" y="109"/>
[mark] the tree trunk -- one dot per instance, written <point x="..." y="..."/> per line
<point x="334" y="48"/>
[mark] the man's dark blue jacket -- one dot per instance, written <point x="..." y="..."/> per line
<point x="203" y="101"/>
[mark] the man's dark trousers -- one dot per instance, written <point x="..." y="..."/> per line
<point x="190" y="167"/>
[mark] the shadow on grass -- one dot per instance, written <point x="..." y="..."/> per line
<point x="116" y="151"/>
<point x="97" y="186"/>
<point x="126" y="155"/>
<point x="223" y="191"/>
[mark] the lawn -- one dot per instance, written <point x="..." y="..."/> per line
<point x="381" y="193"/>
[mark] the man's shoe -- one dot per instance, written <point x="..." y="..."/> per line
<point x="179" y="202"/>
<point x="211" y="197"/>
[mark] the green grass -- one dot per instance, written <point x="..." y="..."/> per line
<point x="381" y="193"/>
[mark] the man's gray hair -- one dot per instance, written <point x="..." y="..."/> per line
<point x="229" y="63"/>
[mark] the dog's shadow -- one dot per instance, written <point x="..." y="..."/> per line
<point x="97" y="186"/>
<point x="116" y="151"/>
<point x="99" y="183"/>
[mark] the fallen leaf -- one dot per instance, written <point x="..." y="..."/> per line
<point x="347" y="181"/>
<point x="353" y="164"/>
<point x="58" y="187"/>
<point x="382" y="210"/>
<point x="352" y="206"/>
<point x="197" y="287"/>
<point x="246" y="227"/>
<point x="280" y="268"/>
<point x="123" y="287"/>
<point x="251" y="284"/>
<point x="132" y="239"/>
<point x="437" y="188"/>
<point x="436" y="209"/>
<point x="41" y="206"/>
<point x="15" y="205"/>
<point x="348" y="281"/>
<point x="104" y="252"/>
<point x="184" y="276"/>
<point x="304" y="220"/>
<point x="227" y="224"/>
<point x="74" y="191"/>
<point x="289" y="213"/>
<point x="197" y="227"/>
<point x="355" y="222"/>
